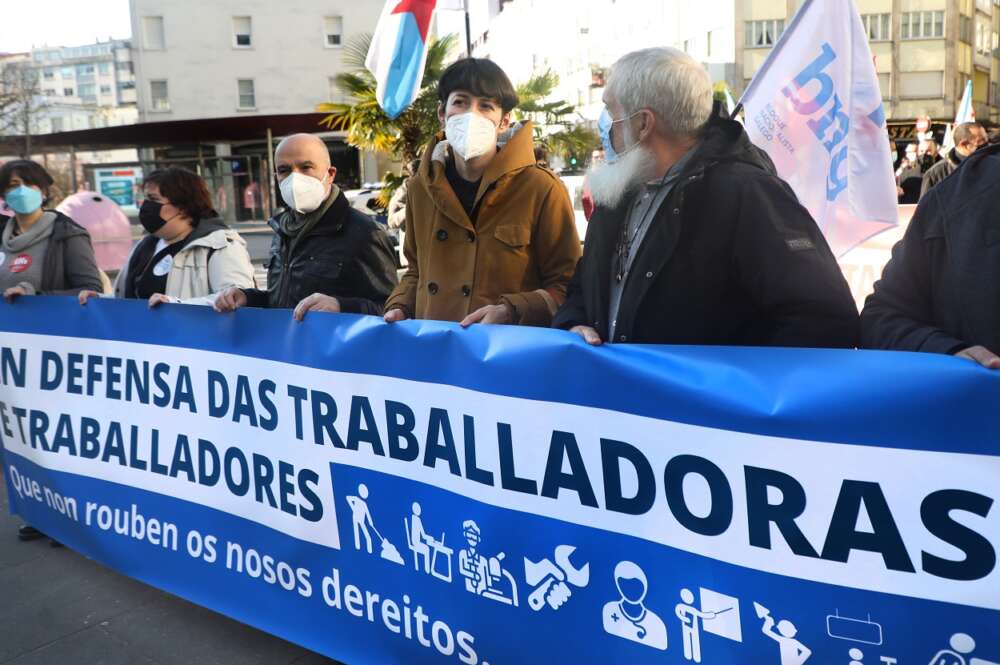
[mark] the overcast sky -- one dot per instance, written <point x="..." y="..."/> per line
<point x="27" y="23"/>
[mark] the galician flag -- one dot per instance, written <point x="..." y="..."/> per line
<point x="398" y="52"/>
<point x="815" y="107"/>
<point x="966" y="113"/>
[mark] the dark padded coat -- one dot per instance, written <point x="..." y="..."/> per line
<point x="940" y="292"/>
<point x="731" y="258"/>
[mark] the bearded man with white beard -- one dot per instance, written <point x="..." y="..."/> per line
<point x="695" y="239"/>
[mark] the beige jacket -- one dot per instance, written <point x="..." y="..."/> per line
<point x="196" y="279"/>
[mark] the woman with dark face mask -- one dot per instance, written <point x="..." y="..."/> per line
<point x="42" y="251"/>
<point x="190" y="255"/>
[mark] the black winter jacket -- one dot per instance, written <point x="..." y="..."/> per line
<point x="70" y="265"/>
<point x="940" y="292"/>
<point x="937" y="173"/>
<point x="345" y="255"/>
<point x="731" y="258"/>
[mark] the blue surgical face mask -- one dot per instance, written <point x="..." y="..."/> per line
<point x="24" y="200"/>
<point x="604" y="125"/>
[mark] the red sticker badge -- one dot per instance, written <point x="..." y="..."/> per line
<point x="20" y="263"/>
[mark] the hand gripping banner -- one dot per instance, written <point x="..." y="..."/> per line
<point x="418" y="493"/>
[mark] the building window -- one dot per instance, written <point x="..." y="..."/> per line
<point x="67" y="92"/>
<point x="104" y="68"/>
<point x="66" y="72"/>
<point x="687" y="46"/>
<point x="921" y="85"/>
<point x="246" y="93"/>
<point x="983" y="39"/>
<point x="965" y="29"/>
<point x="56" y="124"/>
<point x="48" y="73"/>
<point x="333" y="31"/>
<point x="883" y="84"/>
<point x="922" y="25"/>
<point x="878" y="27"/>
<point x="105" y="89"/>
<point x="762" y="34"/>
<point x="152" y="33"/>
<point x="158" y="96"/>
<point x="241" y="31"/>
<point x="995" y="93"/>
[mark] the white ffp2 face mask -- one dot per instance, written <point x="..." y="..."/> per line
<point x="302" y="193"/>
<point x="470" y="135"/>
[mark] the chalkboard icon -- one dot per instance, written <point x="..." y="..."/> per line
<point x="962" y="645"/>
<point x="718" y="614"/>
<point x="628" y="617"/>
<point x="863" y="631"/>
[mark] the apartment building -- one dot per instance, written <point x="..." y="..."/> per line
<point x="925" y="51"/>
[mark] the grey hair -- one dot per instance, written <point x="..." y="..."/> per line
<point x="670" y="83"/>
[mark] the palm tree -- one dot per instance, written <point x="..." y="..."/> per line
<point x="366" y="124"/>
<point x="557" y="124"/>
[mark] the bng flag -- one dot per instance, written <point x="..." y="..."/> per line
<point x="399" y="51"/>
<point x="815" y="107"/>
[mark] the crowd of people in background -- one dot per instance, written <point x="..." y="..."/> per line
<point x="921" y="165"/>
<point x="693" y="238"/>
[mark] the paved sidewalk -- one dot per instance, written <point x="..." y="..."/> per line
<point x="60" y="608"/>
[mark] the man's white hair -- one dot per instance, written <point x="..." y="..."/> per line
<point x="670" y="83"/>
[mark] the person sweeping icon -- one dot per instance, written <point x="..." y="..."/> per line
<point x="628" y="617"/>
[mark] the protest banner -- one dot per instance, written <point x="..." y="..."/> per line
<point x="419" y="493"/>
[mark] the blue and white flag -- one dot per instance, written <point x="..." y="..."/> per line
<point x="966" y="113"/>
<point x="815" y="107"/>
<point x="399" y="51"/>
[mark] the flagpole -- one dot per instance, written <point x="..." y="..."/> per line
<point x="468" y="31"/>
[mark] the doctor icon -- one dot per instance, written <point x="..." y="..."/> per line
<point x="628" y="617"/>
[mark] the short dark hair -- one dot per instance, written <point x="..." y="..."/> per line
<point x="32" y="173"/>
<point x="963" y="132"/>
<point x="185" y="190"/>
<point x="482" y="78"/>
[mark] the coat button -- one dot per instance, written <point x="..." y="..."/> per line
<point x="622" y="338"/>
<point x="649" y="275"/>
<point x="677" y="211"/>
<point x="466" y="291"/>
<point x="471" y="236"/>
<point x="433" y="288"/>
<point x="442" y="234"/>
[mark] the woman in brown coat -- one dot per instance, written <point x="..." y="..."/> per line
<point x="490" y="235"/>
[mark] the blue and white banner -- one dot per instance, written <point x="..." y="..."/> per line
<point x="419" y="493"/>
<point x="815" y="107"/>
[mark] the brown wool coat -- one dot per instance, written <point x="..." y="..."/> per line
<point x="521" y="250"/>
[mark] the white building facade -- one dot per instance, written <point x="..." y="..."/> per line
<point x="579" y="41"/>
<point x="197" y="59"/>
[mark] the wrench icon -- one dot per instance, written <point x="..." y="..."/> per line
<point x="550" y="579"/>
